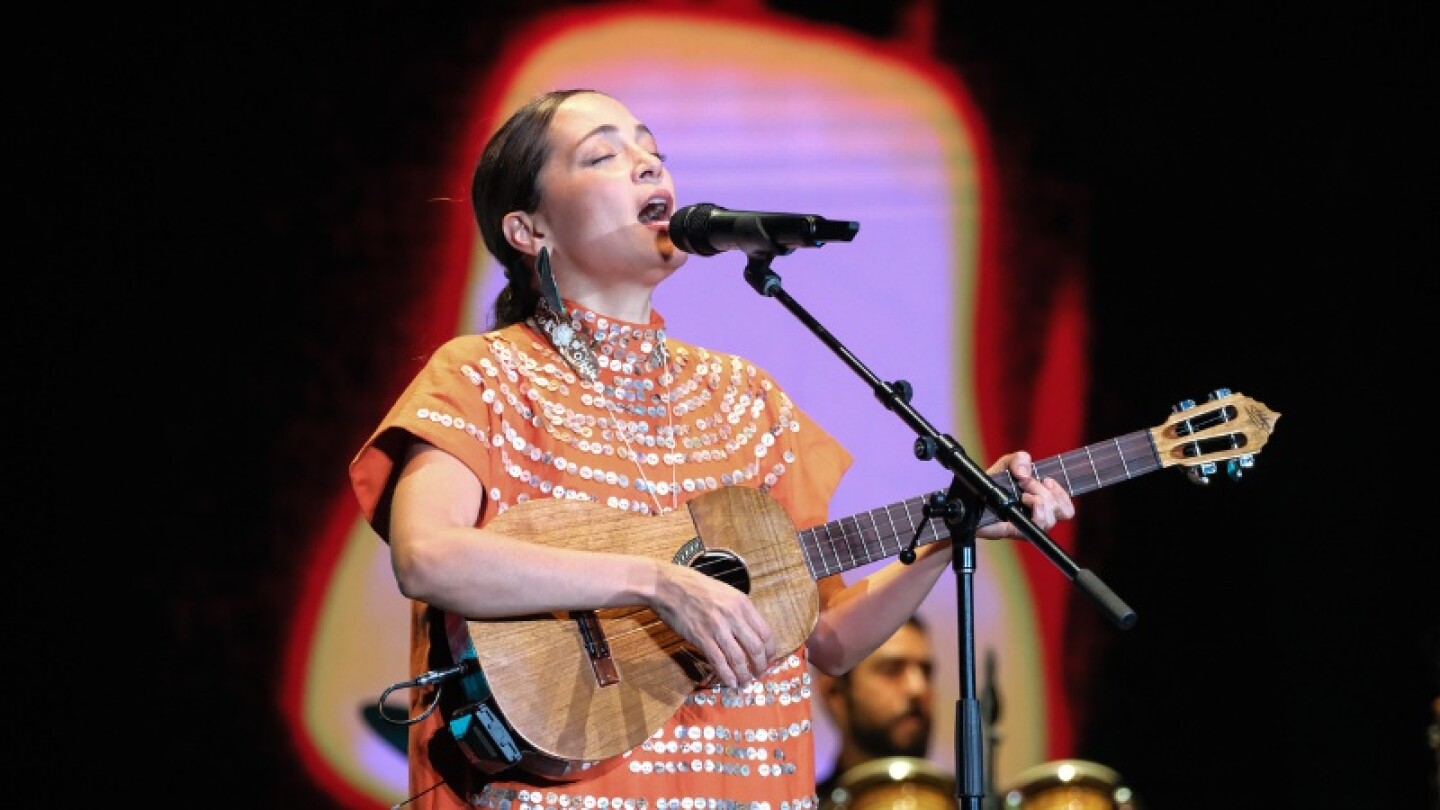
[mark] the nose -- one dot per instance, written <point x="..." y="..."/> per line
<point x="917" y="681"/>
<point x="647" y="166"/>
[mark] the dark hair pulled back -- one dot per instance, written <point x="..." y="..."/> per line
<point x="507" y="178"/>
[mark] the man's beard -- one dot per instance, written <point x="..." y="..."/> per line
<point x="880" y="741"/>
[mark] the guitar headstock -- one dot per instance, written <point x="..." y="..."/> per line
<point x="1227" y="427"/>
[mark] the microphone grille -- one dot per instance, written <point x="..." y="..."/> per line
<point x="689" y="229"/>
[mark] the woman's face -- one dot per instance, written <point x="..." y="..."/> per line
<point x="606" y="199"/>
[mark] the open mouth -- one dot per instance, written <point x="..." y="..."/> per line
<point x="656" y="210"/>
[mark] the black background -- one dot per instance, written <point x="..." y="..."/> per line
<point x="225" y="224"/>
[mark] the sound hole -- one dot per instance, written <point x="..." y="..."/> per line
<point x="724" y="566"/>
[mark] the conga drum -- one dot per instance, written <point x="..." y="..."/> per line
<point x="893" y="783"/>
<point x="1069" y="784"/>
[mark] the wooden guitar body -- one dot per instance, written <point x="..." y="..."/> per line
<point x="591" y="685"/>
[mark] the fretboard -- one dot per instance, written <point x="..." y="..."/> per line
<point x="851" y="542"/>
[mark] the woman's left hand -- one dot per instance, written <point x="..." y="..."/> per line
<point x="1047" y="501"/>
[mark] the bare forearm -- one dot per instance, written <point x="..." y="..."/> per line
<point x="482" y="574"/>
<point x="442" y="559"/>
<point x="858" y="619"/>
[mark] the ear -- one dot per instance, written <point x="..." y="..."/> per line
<point x="522" y="233"/>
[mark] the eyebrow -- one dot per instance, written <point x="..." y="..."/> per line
<point x="607" y="129"/>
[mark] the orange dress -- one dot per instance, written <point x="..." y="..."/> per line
<point x="664" y="422"/>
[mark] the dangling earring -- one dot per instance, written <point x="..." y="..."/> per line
<point x="548" y="287"/>
<point x="554" y="321"/>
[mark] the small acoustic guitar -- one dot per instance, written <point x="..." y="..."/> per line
<point x="573" y="689"/>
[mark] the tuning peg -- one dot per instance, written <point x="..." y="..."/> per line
<point x="1198" y="473"/>
<point x="1236" y="467"/>
<point x="1183" y="428"/>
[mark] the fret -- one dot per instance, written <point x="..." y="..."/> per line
<point x="894" y="531"/>
<point x="1106" y="469"/>
<point x="1064" y="476"/>
<point x="868" y="539"/>
<point x="827" y="550"/>
<point x="875" y="533"/>
<point x="1094" y="473"/>
<point x="836" y="532"/>
<point x="848" y="531"/>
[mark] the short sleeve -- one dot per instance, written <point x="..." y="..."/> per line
<point x="448" y="404"/>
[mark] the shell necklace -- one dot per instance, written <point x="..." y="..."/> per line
<point x="583" y="352"/>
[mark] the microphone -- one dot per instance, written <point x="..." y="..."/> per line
<point x="706" y="229"/>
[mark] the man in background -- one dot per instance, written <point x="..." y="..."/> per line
<point x="883" y="706"/>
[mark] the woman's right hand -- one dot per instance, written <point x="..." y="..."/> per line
<point x="718" y="619"/>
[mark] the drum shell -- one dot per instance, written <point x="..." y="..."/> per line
<point x="893" y="783"/>
<point x="1069" y="784"/>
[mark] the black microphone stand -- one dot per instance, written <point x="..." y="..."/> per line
<point x="971" y="492"/>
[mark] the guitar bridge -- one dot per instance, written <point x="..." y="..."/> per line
<point x="597" y="648"/>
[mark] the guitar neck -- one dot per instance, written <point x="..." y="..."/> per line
<point x="851" y="542"/>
